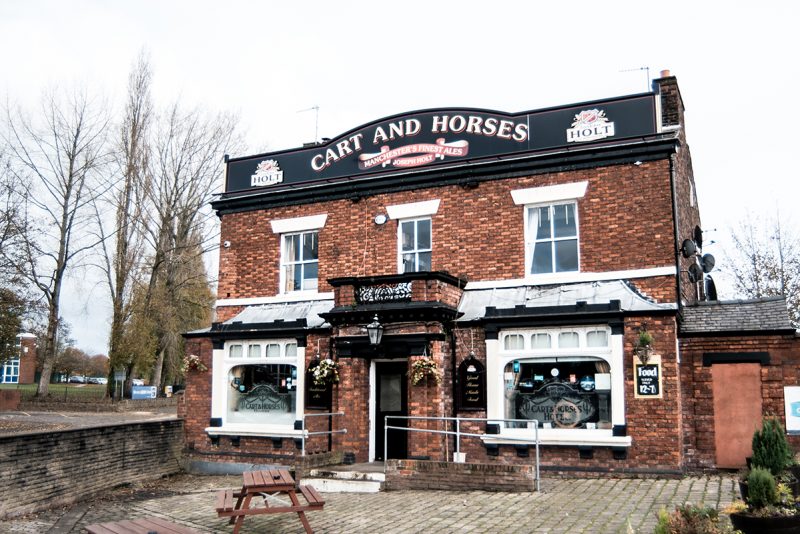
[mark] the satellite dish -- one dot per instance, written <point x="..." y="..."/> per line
<point x="698" y="236"/>
<point x="707" y="261"/>
<point x="688" y="248"/>
<point x="695" y="273"/>
<point x="711" y="289"/>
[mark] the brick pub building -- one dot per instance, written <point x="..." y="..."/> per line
<point x="525" y="256"/>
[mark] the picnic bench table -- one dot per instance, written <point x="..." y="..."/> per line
<point x="270" y="484"/>
<point x="145" y="525"/>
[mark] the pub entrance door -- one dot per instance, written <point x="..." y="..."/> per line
<point x="391" y="398"/>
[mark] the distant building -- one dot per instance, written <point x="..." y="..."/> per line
<point x="547" y="265"/>
<point x="22" y="369"/>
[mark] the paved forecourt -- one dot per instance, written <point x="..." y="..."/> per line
<point x="564" y="505"/>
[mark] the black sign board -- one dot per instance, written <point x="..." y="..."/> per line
<point x="318" y="397"/>
<point x="648" y="380"/>
<point x="443" y="136"/>
<point x="472" y="385"/>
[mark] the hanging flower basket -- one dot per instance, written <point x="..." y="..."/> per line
<point x="192" y="362"/>
<point x="424" y="368"/>
<point x="644" y="347"/>
<point x="325" y="372"/>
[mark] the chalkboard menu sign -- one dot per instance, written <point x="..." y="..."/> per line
<point x="472" y="385"/>
<point x="648" y="380"/>
<point x="317" y="397"/>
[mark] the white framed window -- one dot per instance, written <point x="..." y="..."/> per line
<point x="566" y="387"/>
<point x="414" y="244"/>
<point x="262" y="393"/>
<point x="10" y="371"/>
<point x="299" y="261"/>
<point x="551" y="238"/>
<point x="261" y="383"/>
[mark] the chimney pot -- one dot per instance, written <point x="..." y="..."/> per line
<point x="665" y="73"/>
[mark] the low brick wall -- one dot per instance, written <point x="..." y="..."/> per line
<point x="43" y="470"/>
<point x="9" y="400"/>
<point x="425" y="475"/>
<point x="97" y="405"/>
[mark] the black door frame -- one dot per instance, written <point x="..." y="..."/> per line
<point x="398" y="447"/>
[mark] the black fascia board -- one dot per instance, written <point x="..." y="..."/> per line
<point x="609" y="313"/>
<point x="710" y="358"/>
<point x="391" y="346"/>
<point x="391" y="312"/>
<point x="398" y="279"/>
<point x="272" y="325"/>
<point x="465" y="173"/>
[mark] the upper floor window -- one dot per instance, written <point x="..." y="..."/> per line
<point x="414" y="245"/>
<point x="299" y="262"/>
<point x="551" y="238"/>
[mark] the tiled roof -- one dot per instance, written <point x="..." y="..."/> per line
<point x="767" y="314"/>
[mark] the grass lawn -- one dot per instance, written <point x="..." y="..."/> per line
<point x="76" y="392"/>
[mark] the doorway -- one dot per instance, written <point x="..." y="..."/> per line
<point x="391" y="398"/>
<point x="737" y="411"/>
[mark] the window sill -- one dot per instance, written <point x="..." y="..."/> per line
<point x="559" y="436"/>
<point x="239" y="429"/>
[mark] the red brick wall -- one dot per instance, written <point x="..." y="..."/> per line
<point x="688" y="212"/>
<point x="625" y="222"/>
<point x="698" y="409"/>
<point x="195" y="404"/>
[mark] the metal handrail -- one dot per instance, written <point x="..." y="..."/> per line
<point x="305" y="433"/>
<point x="457" y="432"/>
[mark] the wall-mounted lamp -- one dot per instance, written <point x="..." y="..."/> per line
<point x="226" y="244"/>
<point x="380" y="219"/>
<point x="375" y="331"/>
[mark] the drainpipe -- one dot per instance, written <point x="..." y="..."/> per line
<point x="455" y="378"/>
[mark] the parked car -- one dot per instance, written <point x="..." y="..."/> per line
<point x="138" y="382"/>
<point x="77" y="380"/>
<point x="97" y="380"/>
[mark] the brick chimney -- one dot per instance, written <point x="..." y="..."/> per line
<point x="671" y="102"/>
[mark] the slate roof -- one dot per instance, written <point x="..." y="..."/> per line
<point x="759" y="315"/>
<point x="285" y="311"/>
<point x="474" y="302"/>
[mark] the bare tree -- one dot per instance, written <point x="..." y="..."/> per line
<point x="188" y="164"/>
<point x="122" y="242"/>
<point x="765" y="262"/>
<point x="58" y="158"/>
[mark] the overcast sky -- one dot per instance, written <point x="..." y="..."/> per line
<point x="736" y="65"/>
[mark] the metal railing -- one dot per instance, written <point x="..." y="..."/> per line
<point x="329" y="432"/>
<point x="458" y="433"/>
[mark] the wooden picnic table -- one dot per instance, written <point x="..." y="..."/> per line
<point x="270" y="484"/>
<point x="144" y="525"/>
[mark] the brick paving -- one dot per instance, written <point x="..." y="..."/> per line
<point x="564" y="505"/>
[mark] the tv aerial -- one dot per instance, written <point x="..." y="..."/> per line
<point x="315" y="109"/>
